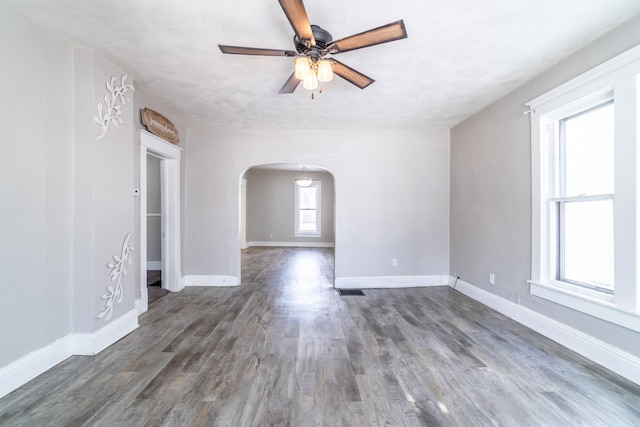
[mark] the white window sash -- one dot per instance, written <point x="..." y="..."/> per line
<point x="306" y="233"/>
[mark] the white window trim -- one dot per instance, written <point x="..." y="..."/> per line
<point x="619" y="74"/>
<point x="318" y="232"/>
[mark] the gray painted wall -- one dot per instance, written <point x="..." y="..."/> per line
<point x="491" y="193"/>
<point x="74" y="203"/>
<point x="391" y="189"/>
<point x="103" y="194"/>
<point x="36" y="187"/>
<point x="271" y="206"/>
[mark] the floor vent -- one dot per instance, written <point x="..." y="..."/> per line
<point x="350" y="292"/>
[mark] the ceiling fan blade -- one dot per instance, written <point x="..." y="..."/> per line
<point x="291" y="84"/>
<point x="239" y="50"/>
<point x="351" y="75"/>
<point x="386" y="33"/>
<point x="297" y="16"/>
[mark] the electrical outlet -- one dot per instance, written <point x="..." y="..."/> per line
<point x="394" y="262"/>
<point x="492" y="278"/>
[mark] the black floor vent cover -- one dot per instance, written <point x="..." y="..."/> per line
<point x="350" y="292"/>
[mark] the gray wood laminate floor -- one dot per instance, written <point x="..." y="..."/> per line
<point x="285" y="349"/>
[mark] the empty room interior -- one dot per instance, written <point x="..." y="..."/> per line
<point x="330" y="213"/>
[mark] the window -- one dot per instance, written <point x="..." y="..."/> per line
<point x="585" y="187"/>
<point x="307" y="215"/>
<point x="582" y="197"/>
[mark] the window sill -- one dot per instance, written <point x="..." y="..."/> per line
<point x="602" y="307"/>
<point x="298" y="234"/>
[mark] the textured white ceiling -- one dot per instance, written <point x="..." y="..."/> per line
<point x="460" y="55"/>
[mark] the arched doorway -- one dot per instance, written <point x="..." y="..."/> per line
<point x="277" y="212"/>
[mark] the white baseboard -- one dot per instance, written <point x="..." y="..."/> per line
<point x="142" y="303"/>
<point x="612" y="358"/>
<point x="390" y="282"/>
<point x="200" y="280"/>
<point x="293" y="244"/>
<point x="93" y="343"/>
<point x="154" y="265"/>
<point x="29" y="366"/>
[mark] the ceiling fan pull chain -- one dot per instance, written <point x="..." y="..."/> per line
<point x="312" y="96"/>
<point x="320" y="89"/>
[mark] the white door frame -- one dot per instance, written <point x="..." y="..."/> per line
<point x="243" y="214"/>
<point x="169" y="156"/>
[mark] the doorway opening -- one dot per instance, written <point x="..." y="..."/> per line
<point x="155" y="290"/>
<point x="168" y="156"/>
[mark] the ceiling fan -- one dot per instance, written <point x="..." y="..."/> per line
<point x="313" y="46"/>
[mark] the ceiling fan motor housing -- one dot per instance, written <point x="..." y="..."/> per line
<point x="322" y="37"/>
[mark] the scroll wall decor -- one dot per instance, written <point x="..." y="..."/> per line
<point x="113" y="100"/>
<point x="118" y="273"/>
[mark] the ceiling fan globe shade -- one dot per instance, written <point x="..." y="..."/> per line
<point x="302" y="67"/>
<point x="325" y="70"/>
<point x="310" y="81"/>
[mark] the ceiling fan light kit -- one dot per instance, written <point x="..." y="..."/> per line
<point x="313" y="44"/>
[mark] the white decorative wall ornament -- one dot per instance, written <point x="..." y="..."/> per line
<point x="118" y="273"/>
<point x="110" y="112"/>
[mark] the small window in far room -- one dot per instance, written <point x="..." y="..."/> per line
<point x="307" y="215"/>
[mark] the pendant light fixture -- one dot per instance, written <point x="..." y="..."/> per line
<point x="305" y="181"/>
